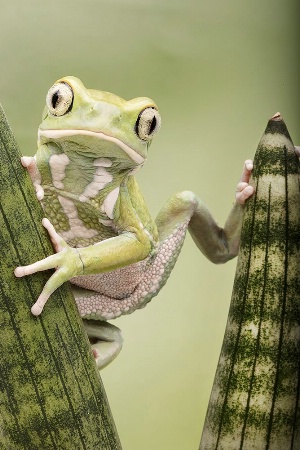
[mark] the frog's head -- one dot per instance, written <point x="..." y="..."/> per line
<point x="98" y="124"/>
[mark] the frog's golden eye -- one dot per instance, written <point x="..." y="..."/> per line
<point x="147" y="124"/>
<point x="59" y="99"/>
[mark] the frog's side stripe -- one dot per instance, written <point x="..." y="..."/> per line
<point x="255" y="396"/>
<point x="56" y="134"/>
<point x="101" y="178"/>
<point x="58" y="163"/>
<point x="109" y="204"/>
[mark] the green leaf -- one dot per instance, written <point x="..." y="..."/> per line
<point x="51" y="394"/>
<point x="255" y="400"/>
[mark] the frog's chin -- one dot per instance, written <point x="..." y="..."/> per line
<point x="57" y="134"/>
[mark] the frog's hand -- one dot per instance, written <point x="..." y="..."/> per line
<point x="244" y="190"/>
<point x="186" y="209"/>
<point x="66" y="261"/>
<point x="106" y="341"/>
<point x="69" y="262"/>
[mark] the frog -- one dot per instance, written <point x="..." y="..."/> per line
<point x="91" y="143"/>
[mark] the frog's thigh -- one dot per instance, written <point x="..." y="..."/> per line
<point x="106" y="341"/>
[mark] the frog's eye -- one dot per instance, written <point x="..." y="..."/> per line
<point x="59" y="99"/>
<point x="147" y="124"/>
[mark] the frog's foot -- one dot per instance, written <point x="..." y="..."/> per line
<point x="244" y="190"/>
<point x="106" y="341"/>
<point x="297" y="150"/>
<point x="29" y="162"/>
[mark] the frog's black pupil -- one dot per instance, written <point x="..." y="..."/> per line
<point x="55" y="98"/>
<point x="153" y="125"/>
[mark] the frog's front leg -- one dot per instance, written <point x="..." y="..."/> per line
<point x="106" y="341"/>
<point x="217" y="244"/>
<point x="107" y="255"/>
<point x="222" y="244"/>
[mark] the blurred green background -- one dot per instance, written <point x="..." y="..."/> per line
<point x="218" y="71"/>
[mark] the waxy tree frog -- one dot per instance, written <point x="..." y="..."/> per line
<point x="90" y="145"/>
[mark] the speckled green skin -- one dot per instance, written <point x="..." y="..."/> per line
<point x="51" y="395"/>
<point x="255" y="397"/>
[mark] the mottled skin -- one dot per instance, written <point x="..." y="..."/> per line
<point x="90" y="145"/>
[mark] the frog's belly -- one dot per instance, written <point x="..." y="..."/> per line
<point x="122" y="291"/>
<point x="118" y="284"/>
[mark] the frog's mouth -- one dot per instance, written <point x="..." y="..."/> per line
<point x="56" y="134"/>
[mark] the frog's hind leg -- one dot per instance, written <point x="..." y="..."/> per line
<point x="106" y="341"/>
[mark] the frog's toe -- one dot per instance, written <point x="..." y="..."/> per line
<point x="106" y="341"/>
<point x="243" y="192"/>
<point x="247" y="170"/>
<point x="28" y="162"/>
<point x="249" y="165"/>
<point x="38" y="307"/>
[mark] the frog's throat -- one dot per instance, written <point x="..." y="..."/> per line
<point x="56" y="134"/>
